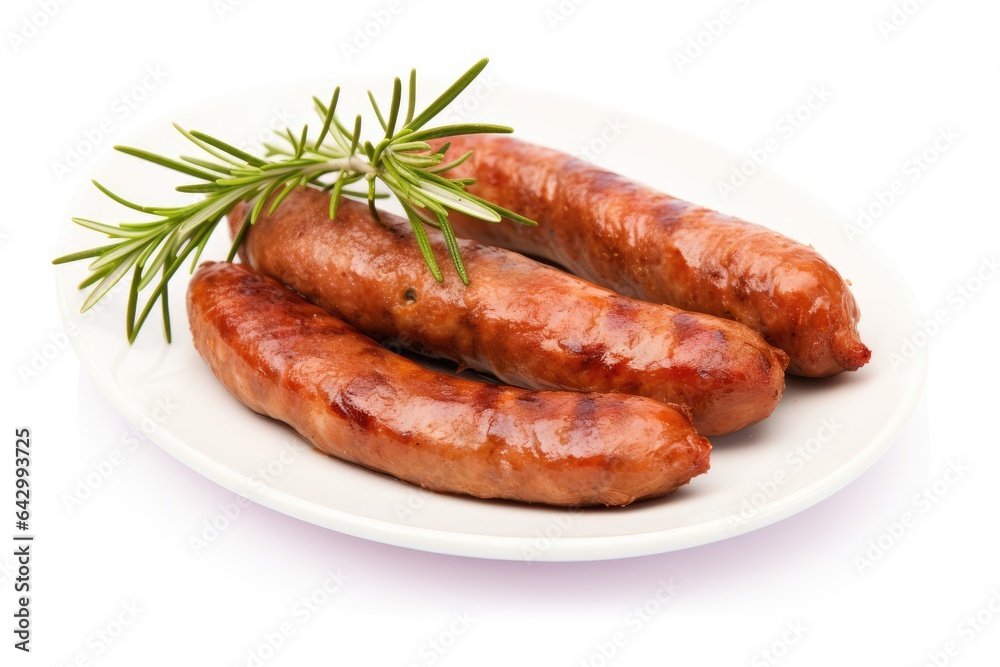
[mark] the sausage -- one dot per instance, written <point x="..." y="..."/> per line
<point x="649" y="245"/>
<point x="351" y="398"/>
<point x="529" y="324"/>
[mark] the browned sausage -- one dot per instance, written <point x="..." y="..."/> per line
<point x="529" y="324"/>
<point x="649" y="245"/>
<point x="351" y="398"/>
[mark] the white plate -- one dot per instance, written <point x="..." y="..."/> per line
<point x="822" y="435"/>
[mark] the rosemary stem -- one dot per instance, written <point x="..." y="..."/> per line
<point x="402" y="159"/>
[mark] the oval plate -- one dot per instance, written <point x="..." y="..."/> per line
<point x="822" y="435"/>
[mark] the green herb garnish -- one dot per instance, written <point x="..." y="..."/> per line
<point x="402" y="160"/>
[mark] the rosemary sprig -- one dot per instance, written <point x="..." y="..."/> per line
<point x="153" y="250"/>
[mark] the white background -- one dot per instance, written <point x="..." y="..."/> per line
<point x="128" y="546"/>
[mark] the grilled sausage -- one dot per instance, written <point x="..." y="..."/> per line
<point x="529" y="324"/>
<point x="649" y="245"/>
<point x="351" y="398"/>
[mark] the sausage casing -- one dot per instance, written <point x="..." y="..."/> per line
<point x="529" y="324"/>
<point x="646" y="244"/>
<point x="355" y="400"/>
